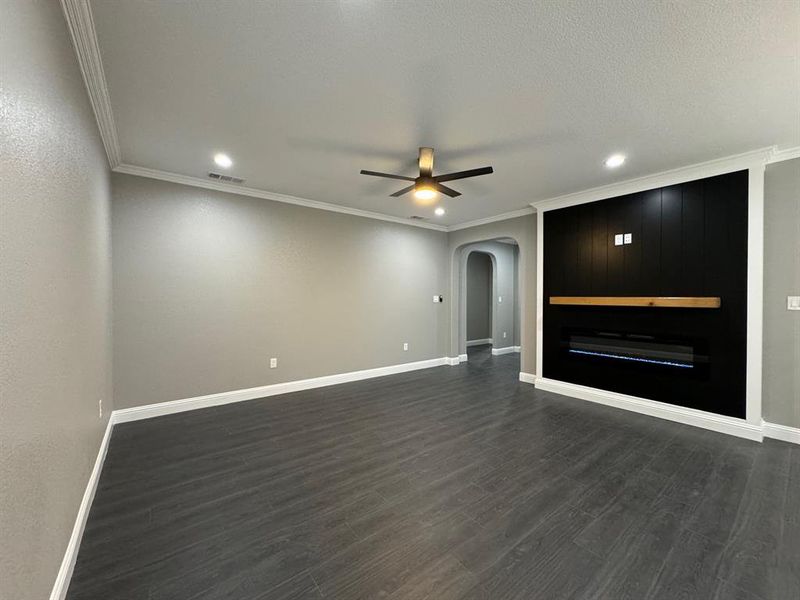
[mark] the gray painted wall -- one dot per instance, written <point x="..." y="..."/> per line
<point x="781" y="388"/>
<point x="54" y="295"/>
<point x="523" y="230"/>
<point x="479" y="296"/>
<point x="209" y="285"/>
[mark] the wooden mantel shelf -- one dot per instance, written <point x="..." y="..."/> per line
<point x="654" y="301"/>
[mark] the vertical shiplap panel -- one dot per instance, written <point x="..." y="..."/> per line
<point x="585" y="248"/>
<point x="616" y="254"/>
<point x="599" y="249"/>
<point x="692" y="240"/>
<point x="633" y="252"/>
<point x="651" y="243"/>
<point x="670" y="240"/>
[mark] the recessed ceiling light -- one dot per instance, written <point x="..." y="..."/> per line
<point x="439" y="211"/>
<point x="223" y="160"/>
<point x="615" y="160"/>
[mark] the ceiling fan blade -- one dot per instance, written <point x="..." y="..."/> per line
<point x="425" y="162"/>
<point x="443" y="189"/>
<point x="464" y="174"/>
<point x="401" y="192"/>
<point x="387" y="175"/>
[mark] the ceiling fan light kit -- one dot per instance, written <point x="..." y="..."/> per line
<point x="424" y="191"/>
<point x="427" y="185"/>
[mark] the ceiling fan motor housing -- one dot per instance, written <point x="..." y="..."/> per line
<point x="422" y="182"/>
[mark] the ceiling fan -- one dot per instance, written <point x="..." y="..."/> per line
<point x="427" y="184"/>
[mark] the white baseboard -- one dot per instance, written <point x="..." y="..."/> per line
<point x="781" y="432"/>
<point x="456" y="360"/>
<point x="680" y="414"/>
<point x="479" y="342"/>
<point x="527" y="377"/>
<point x="175" y="406"/>
<point x="506" y="350"/>
<point x="61" y="585"/>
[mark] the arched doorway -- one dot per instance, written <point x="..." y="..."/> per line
<point x="504" y="301"/>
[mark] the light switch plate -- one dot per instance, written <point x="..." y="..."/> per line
<point x="618" y="239"/>
<point x="628" y="238"/>
<point x="436" y="298"/>
<point x="792" y="302"/>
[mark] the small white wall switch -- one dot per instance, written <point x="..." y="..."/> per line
<point x="100" y="403"/>
<point x="628" y="238"/>
<point x="499" y="298"/>
<point x="792" y="302"/>
<point x="273" y="363"/>
<point x="618" y="239"/>
<point x="436" y="298"/>
<point x="504" y="334"/>
<point x="405" y="346"/>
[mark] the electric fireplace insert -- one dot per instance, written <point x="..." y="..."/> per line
<point x="636" y="350"/>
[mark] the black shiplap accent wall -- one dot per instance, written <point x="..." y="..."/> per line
<point x="688" y="240"/>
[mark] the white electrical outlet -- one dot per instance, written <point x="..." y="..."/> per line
<point x="792" y="302"/>
<point x="436" y="298"/>
<point x="273" y="363"/>
<point x="628" y="238"/>
<point x="100" y="408"/>
<point x="504" y="334"/>
<point x="499" y="298"/>
<point x="619" y="239"/>
<point x="405" y="346"/>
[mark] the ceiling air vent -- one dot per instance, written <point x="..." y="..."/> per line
<point x="224" y="178"/>
<point x="417" y="218"/>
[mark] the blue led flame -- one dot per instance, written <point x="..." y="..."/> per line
<point x="652" y="361"/>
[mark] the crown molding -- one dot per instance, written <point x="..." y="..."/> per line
<point x="785" y="154"/>
<point x="78" y="14"/>
<point x="80" y="22"/>
<point x="275" y="197"/>
<point x="502" y="217"/>
<point x="710" y="168"/>
<point x="286" y="199"/>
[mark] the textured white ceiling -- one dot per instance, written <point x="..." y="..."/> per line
<point x="303" y="94"/>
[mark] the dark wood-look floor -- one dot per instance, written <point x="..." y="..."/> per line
<point x="455" y="482"/>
